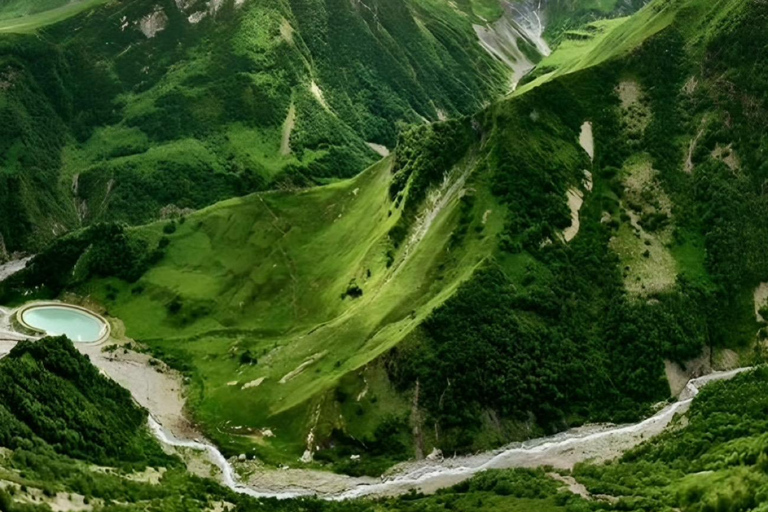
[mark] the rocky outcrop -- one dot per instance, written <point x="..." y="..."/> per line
<point x="154" y="22"/>
<point x="516" y="39"/>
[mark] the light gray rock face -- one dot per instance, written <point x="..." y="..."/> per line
<point x="516" y="37"/>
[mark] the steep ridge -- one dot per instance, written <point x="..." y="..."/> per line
<point x="303" y="295"/>
<point x="486" y="326"/>
<point x="132" y="111"/>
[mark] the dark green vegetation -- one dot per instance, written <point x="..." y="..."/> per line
<point x="54" y="399"/>
<point x="60" y="417"/>
<point x="716" y="460"/>
<point x="563" y="16"/>
<point x="432" y="301"/>
<point x="549" y="328"/>
<point x="136" y="110"/>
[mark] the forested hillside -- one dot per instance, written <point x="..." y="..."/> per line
<point x="563" y="256"/>
<point x="713" y="461"/>
<point x="331" y="312"/>
<point x="659" y="269"/>
<point x="133" y="111"/>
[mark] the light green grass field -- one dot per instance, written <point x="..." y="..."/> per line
<point x="602" y="40"/>
<point x="266" y="274"/>
<point x="22" y="17"/>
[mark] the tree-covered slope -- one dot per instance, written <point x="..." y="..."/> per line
<point x="132" y="110"/>
<point x="489" y="281"/>
<point x="54" y="399"/>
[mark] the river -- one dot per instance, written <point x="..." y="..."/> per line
<point x="596" y="443"/>
<point x="148" y="385"/>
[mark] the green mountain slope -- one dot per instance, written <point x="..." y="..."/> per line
<point x="478" y="286"/>
<point x="284" y="306"/>
<point x="135" y="110"/>
<point x="21" y="16"/>
<point x="713" y="459"/>
<point x="54" y="399"/>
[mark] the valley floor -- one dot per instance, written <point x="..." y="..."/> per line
<point x="161" y="391"/>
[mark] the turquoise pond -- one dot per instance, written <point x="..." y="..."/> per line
<point x="77" y="325"/>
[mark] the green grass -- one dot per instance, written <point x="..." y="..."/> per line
<point x="690" y="255"/>
<point x="227" y="83"/>
<point x="610" y="39"/>
<point x="21" y="18"/>
<point x="266" y="273"/>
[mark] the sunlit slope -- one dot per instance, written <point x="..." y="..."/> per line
<point x="20" y="16"/>
<point x="603" y="40"/>
<point x="598" y="42"/>
<point x="141" y="108"/>
<point x="277" y="276"/>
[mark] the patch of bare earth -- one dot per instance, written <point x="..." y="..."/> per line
<point x="725" y="359"/>
<point x="153" y="23"/>
<point x="303" y="366"/>
<point x="382" y="150"/>
<point x="727" y="155"/>
<point x="288" y="126"/>
<point x="691" y="148"/>
<point x="575" y="200"/>
<point x="59" y="502"/>
<point x="586" y="140"/>
<point x="636" y="114"/>
<point x="286" y="31"/>
<point x="300" y="481"/>
<point x="678" y="376"/>
<point x="152" y="384"/>
<point x="648" y="264"/>
<point x="579" y="489"/>
<point x="575" y="195"/>
<point x="318" y="94"/>
<point x="760" y="297"/>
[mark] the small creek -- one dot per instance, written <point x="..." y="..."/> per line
<point x="594" y="443"/>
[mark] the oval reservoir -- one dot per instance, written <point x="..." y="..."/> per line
<point x="77" y="325"/>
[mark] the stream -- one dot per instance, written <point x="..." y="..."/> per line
<point x="596" y="443"/>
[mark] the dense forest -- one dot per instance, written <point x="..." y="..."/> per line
<point x="716" y="460"/>
<point x="114" y="124"/>
<point x="549" y="329"/>
<point x="54" y="399"/>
